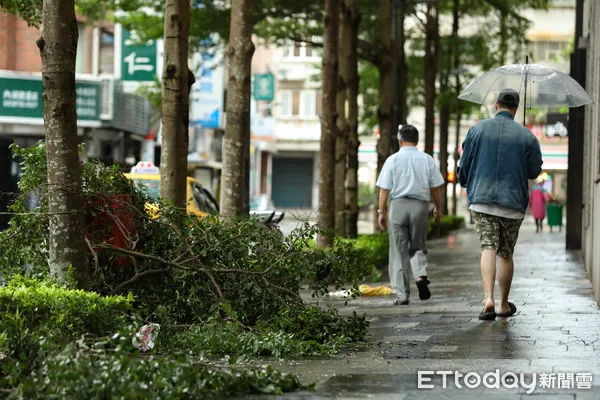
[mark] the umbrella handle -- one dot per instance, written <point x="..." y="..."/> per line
<point x="525" y="86"/>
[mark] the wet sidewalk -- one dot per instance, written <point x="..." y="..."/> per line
<point x="553" y="340"/>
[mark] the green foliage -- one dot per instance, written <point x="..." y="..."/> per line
<point x="294" y="332"/>
<point x="217" y="288"/>
<point x="366" y="195"/>
<point x="374" y="248"/>
<point x="342" y="266"/>
<point x="77" y="373"/>
<point x="39" y="315"/>
<point x="25" y="242"/>
<point x="189" y="266"/>
<point x="447" y="223"/>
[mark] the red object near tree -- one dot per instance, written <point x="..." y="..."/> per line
<point x="112" y="224"/>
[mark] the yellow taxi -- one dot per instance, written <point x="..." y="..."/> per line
<point x="199" y="200"/>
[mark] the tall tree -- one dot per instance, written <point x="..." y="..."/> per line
<point x="342" y="131"/>
<point x="401" y="66"/>
<point x="386" y="77"/>
<point x="175" y="102"/>
<point x="328" y="123"/>
<point x="237" y="128"/>
<point x="352" y="19"/>
<point x="58" y="48"/>
<point x="432" y="35"/>
<point x="457" y="90"/>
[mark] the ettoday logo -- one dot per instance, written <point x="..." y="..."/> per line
<point x="507" y="380"/>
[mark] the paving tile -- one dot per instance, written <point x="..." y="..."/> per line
<point x="442" y="349"/>
<point x="556" y="328"/>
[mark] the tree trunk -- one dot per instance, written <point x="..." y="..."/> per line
<point x="384" y="113"/>
<point x="431" y="50"/>
<point x="175" y="103"/>
<point x="328" y="123"/>
<point x="58" y="48"/>
<point x="456" y="150"/>
<point x="237" y="129"/>
<point x="443" y="156"/>
<point x="457" y="112"/>
<point x="402" y="72"/>
<point x="353" y="18"/>
<point x="341" y="142"/>
<point x="503" y="38"/>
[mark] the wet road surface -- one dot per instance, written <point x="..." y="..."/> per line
<point x="554" y="337"/>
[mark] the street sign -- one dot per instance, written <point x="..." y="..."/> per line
<point x="264" y="87"/>
<point x="207" y="93"/>
<point x="138" y="62"/>
<point x="21" y="98"/>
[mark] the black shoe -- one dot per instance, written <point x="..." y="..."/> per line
<point x="400" y="302"/>
<point x="487" y="315"/>
<point x="422" y="284"/>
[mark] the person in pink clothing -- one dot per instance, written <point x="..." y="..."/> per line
<point x="537" y="201"/>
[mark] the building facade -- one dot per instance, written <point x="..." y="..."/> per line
<point x="112" y="121"/>
<point x="589" y="42"/>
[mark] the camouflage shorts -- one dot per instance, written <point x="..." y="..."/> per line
<point x="497" y="233"/>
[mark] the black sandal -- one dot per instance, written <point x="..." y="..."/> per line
<point x="487" y="315"/>
<point x="513" y="310"/>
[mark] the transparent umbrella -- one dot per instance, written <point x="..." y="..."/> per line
<point x="536" y="84"/>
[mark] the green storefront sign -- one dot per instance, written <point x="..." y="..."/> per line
<point x="22" y="98"/>
<point x="138" y="62"/>
<point x="264" y="87"/>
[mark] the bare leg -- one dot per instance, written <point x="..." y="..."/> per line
<point x="505" y="275"/>
<point x="488" y="277"/>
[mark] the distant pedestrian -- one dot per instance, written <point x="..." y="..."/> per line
<point x="409" y="179"/>
<point x="499" y="156"/>
<point x="537" y="200"/>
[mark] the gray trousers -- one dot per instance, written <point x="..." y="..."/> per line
<point x="407" y="226"/>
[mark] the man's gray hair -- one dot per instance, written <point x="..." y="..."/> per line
<point x="408" y="133"/>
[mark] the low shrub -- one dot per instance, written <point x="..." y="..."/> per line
<point x="374" y="248"/>
<point x="446" y="224"/>
<point x="38" y="316"/>
<point x="76" y="373"/>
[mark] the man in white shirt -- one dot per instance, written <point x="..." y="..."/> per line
<point x="409" y="179"/>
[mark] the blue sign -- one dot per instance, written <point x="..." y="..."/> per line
<point x="209" y="121"/>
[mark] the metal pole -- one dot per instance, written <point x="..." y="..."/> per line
<point x="525" y="83"/>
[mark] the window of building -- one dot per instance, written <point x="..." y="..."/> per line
<point x="82" y="61"/>
<point x="107" y="52"/>
<point x="318" y="103"/>
<point x="285" y="102"/>
<point x="297" y="49"/>
<point x="295" y="102"/>
<point x="299" y="103"/>
<point x="309" y="99"/>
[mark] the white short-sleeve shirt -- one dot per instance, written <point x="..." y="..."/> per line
<point x="410" y="173"/>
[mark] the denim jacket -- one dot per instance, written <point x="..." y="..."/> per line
<point x="499" y="156"/>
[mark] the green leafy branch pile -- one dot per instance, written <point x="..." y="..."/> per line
<point x="218" y="288"/>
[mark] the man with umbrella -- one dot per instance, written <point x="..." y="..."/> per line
<point x="499" y="156"/>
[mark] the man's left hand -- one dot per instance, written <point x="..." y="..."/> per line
<point x="438" y="215"/>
